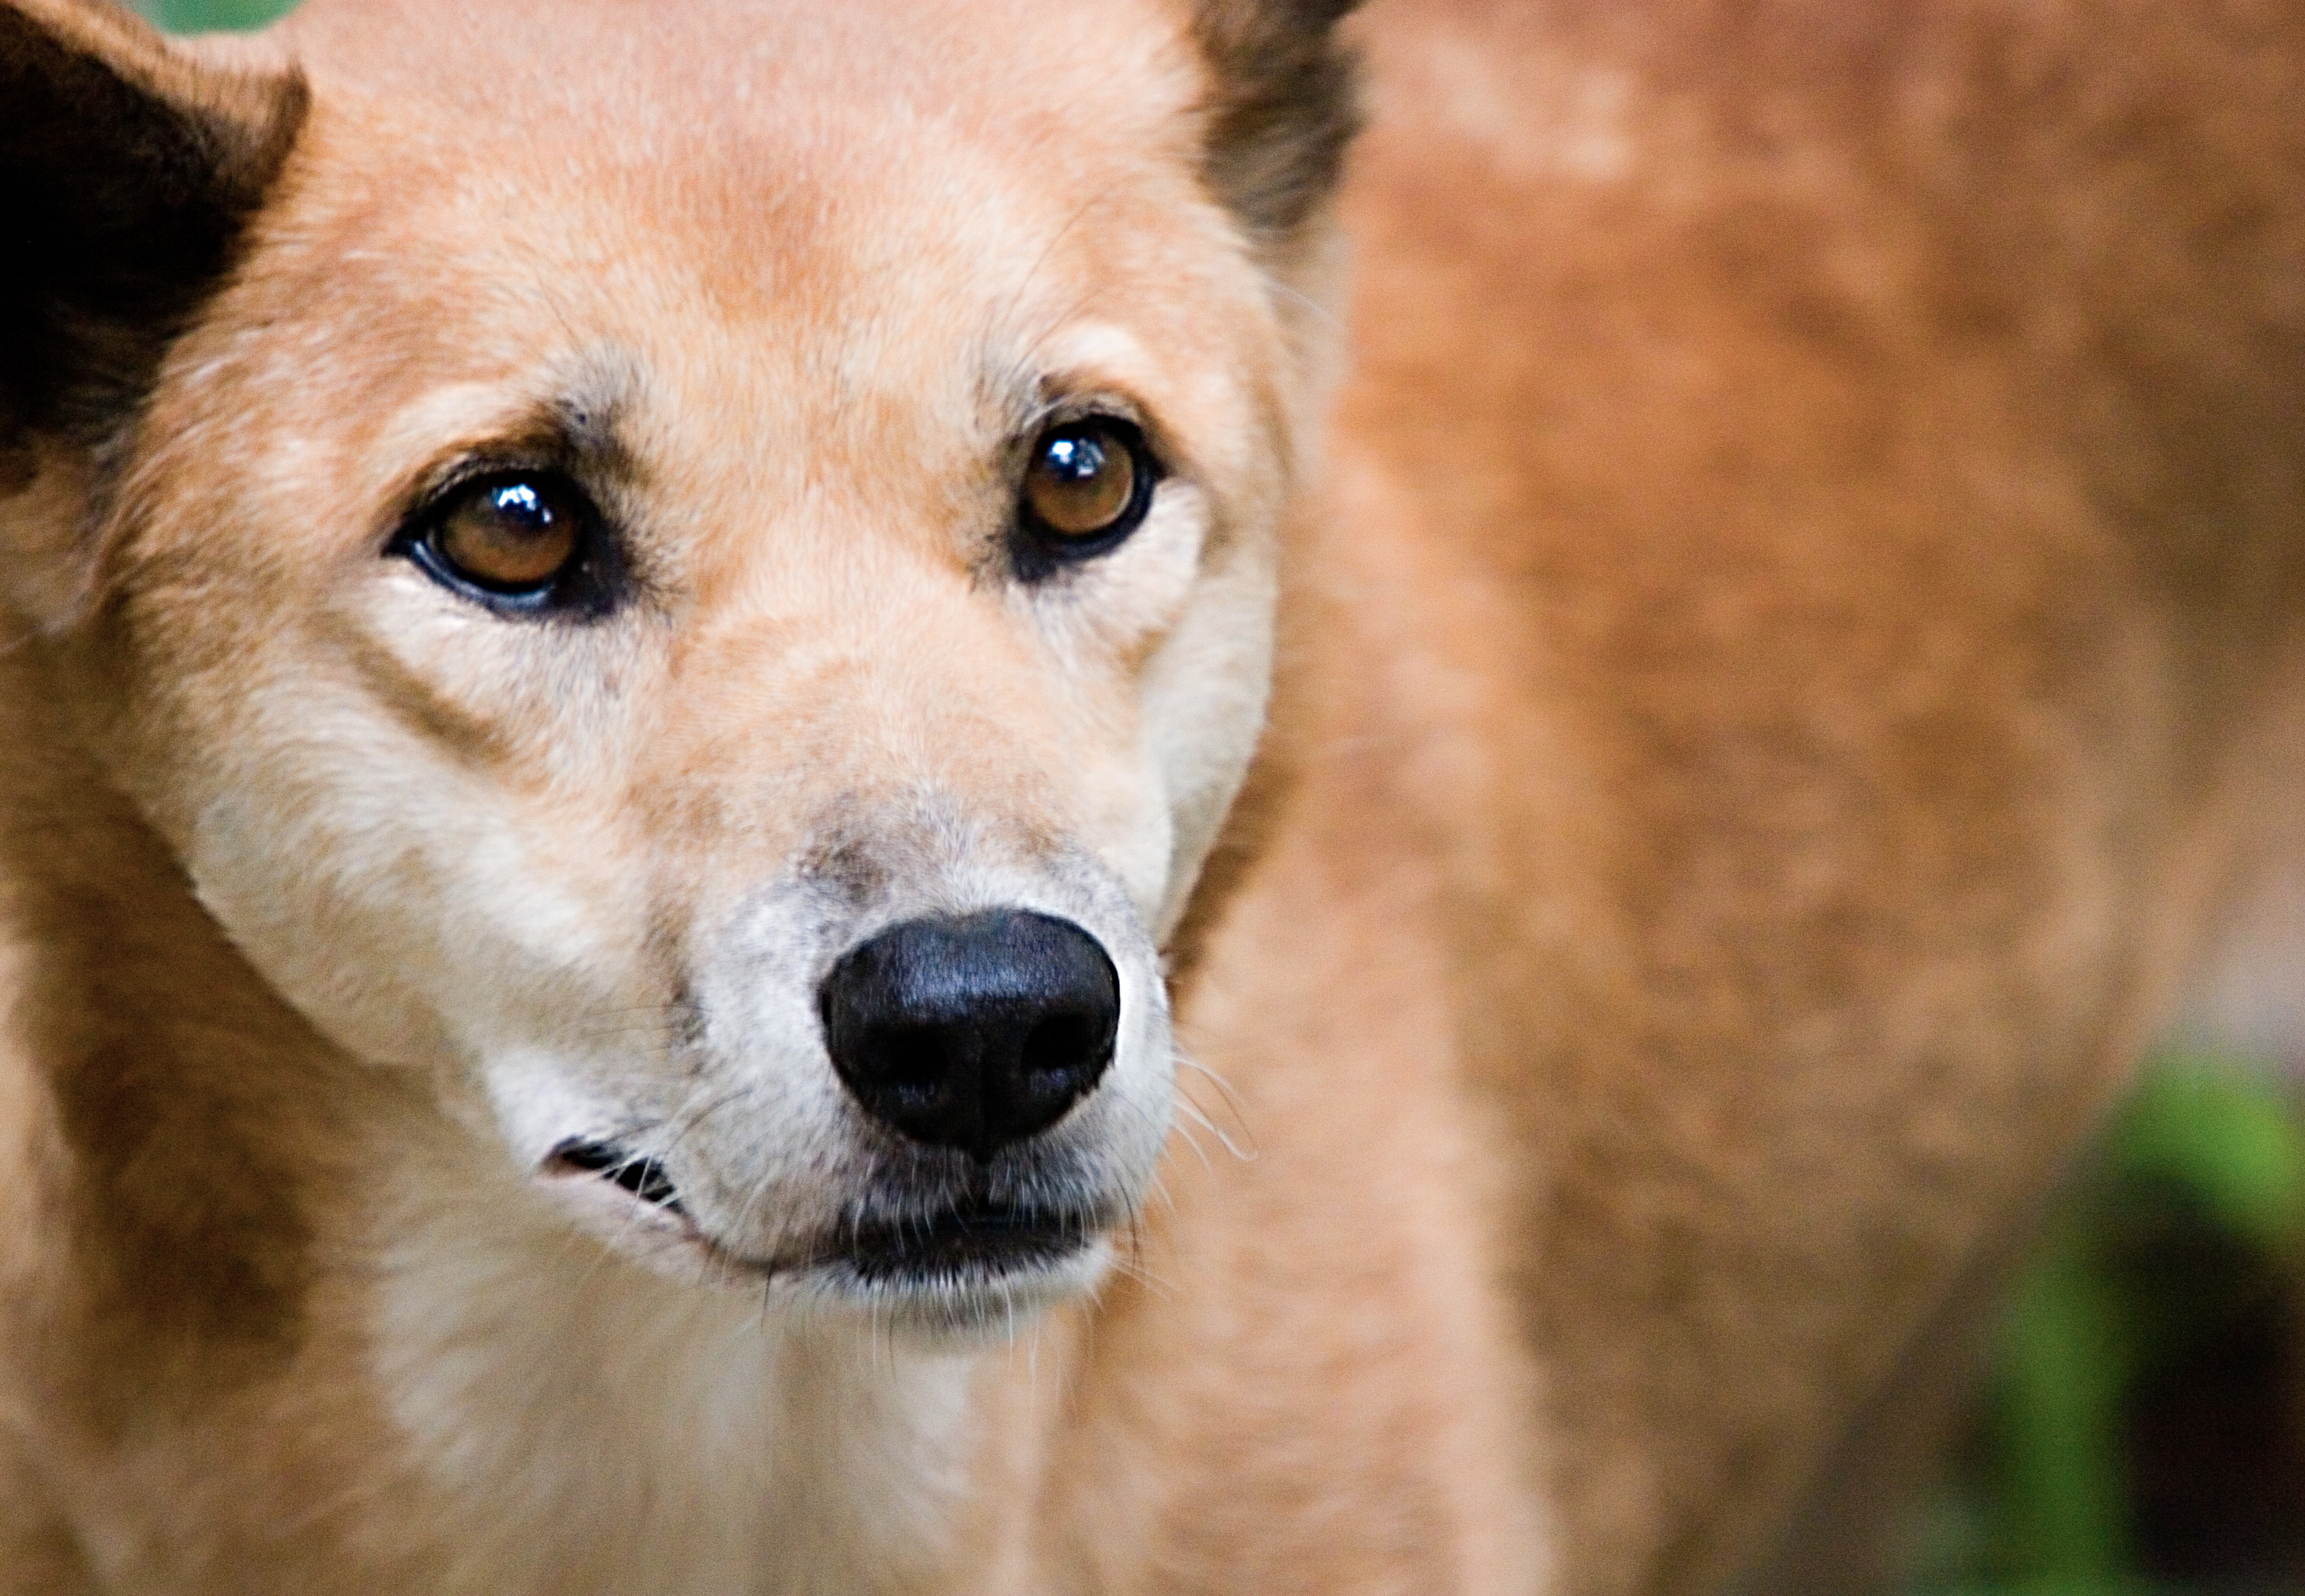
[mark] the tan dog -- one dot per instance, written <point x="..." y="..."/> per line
<point x="633" y="624"/>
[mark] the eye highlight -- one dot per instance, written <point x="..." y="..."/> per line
<point x="515" y="540"/>
<point x="1087" y="485"/>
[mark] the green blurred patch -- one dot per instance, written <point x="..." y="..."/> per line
<point x="208" y="16"/>
<point x="2141" y="1428"/>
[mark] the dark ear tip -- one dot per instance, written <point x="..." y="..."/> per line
<point x="247" y="117"/>
<point x="1284" y="107"/>
<point x="1273" y="20"/>
<point x="266" y="112"/>
<point x="131" y="168"/>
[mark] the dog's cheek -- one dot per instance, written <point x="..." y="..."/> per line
<point x="1157" y="668"/>
<point x="1203" y="694"/>
<point x="293" y="924"/>
<point x="476" y="920"/>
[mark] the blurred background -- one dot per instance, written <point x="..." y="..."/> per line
<point x="2140" y="1427"/>
<point x="201" y="16"/>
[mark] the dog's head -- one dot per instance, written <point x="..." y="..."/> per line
<point x="702" y="572"/>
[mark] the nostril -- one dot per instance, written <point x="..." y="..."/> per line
<point x="911" y="1058"/>
<point x="1062" y="1045"/>
<point x="972" y="1031"/>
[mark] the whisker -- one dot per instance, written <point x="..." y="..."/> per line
<point x="1192" y="1110"/>
<point x="1193" y="1142"/>
<point x="1212" y="1076"/>
<point x="593" y="1033"/>
<point x="695" y="1120"/>
<point x="1328" y="317"/>
<point x="1161" y="1191"/>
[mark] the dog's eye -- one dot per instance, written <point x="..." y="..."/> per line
<point x="1081" y="482"/>
<point x="520" y="541"/>
<point x="1087" y="485"/>
<point x="510" y="534"/>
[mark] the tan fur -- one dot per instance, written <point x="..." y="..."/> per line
<point x="1777" y="662"/>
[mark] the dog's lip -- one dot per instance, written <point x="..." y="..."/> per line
<point x="644" y="1178"/>
<point x="969" y="1240"/>
<point x="953" y="1246"/>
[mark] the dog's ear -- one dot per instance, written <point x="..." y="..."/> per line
<point x="1283" y="110"/>
<point x="128" y="173"/>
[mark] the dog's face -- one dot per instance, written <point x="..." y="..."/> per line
<point x="711" y="586"/>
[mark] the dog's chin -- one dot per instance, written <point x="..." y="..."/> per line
<point x="957" y="1271"/>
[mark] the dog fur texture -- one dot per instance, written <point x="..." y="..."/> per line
<point x="1779" y="651"/>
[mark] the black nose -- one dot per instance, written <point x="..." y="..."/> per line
<point x="972" y="1030"/>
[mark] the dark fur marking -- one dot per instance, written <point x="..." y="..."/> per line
<point x="1286" y="105"/>
<point x="124" y="212"/>
<point x="198" y="1247"/>
<point x="845" y="862"/>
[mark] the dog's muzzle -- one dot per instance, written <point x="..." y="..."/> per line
<point x="969" y="1157"/>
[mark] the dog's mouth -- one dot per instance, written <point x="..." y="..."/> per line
<point x="958" y="1247"/>
<point x="644" y="1178"/>
<point x="971" y="1243"/>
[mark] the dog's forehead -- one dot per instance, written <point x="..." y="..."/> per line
<point x="636" y="73"/>
<point x="866" y="184"/>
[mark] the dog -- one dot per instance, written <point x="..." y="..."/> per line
<point x="766" y="829"/>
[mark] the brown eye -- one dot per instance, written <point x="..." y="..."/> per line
<point x="510" y="534"/>
<point x="1087" y="485"/>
